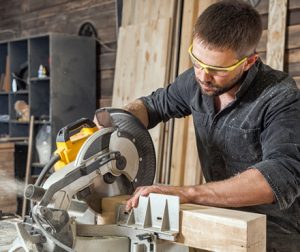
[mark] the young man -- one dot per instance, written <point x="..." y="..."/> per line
<point x="247" y="123"/>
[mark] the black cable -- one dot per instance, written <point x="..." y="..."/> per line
<point x="46" y="169"/>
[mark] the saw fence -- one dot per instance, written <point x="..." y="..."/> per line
<point x="152" y="50"/>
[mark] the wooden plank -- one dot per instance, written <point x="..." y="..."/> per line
<point x="276" y="33"/>
<point x="107" y="83"/>
<point x="293" y="37"/>
<point x="6" y="146"/>
<point x="173" y="73"/>
<point x="190" y="14"/>
<point x="185" y="168"/>
<point x="105" y="102"/>
<point x="147" y="70"/>
<point x="6" y="86"/>
<point x="107" y="61"/>
<point x="28" y="163"/>
<point x="137" y="11"/>
<point x="209" y="228"/>
<point x="108" y="206"/>
<point x="218" y="229"/>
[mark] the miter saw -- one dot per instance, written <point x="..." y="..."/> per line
<point x="91" y="164"/>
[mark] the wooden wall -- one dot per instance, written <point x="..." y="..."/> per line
<point x="292" y="38"/>
<point x="33" y="17"/>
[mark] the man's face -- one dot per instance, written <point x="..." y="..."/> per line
<point x="214" y="83"/>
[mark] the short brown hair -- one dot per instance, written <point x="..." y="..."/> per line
<point x="231" y="25"/>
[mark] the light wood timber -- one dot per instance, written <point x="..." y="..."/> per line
<point x="276" y="33"/>
<point x="185" y="166"/>
<point x="137" y="11"/>
<point x="209" y="228"/>
<point x="142" y="64"/>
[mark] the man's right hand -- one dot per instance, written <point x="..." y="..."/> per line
<point x="97" y="123"/>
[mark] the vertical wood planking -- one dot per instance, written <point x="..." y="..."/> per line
<point x="142" y="64"/>
<point x="185" y="169"/>
<point x="276" y="33"/>
<point x="190" y="14"/>
<point x="143" y="11"/>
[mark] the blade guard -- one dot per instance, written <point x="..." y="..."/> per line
<point x="130" y="127"/>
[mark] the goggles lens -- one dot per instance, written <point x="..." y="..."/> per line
<point x="212" y="70"/>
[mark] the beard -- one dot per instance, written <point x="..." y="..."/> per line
<point x="211" y="89"/>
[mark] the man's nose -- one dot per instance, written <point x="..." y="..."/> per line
<point x="202" y="75"/>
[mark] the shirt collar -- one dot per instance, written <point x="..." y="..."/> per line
<point x="250" y="75"/>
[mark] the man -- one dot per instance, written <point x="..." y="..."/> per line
<point x="247" y="123"/>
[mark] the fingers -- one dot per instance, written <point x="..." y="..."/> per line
<point x="97" y="123"/>
<point x="134" y="200"/>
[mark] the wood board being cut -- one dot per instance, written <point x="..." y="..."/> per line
<point x="209" y="228"/>
<point x="142" y="63"/>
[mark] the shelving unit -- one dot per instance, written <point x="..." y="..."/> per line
<point x="67" y="93"/>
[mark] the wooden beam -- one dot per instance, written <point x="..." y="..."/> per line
<point x="142" y="65"/>
<point x="276" y="33"/>
<point x="185" y="166"/>
<point x="209" y="228"/>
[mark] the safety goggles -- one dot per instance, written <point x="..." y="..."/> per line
<point x="213" y="70"/>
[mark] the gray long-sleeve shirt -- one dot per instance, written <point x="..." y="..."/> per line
<point x="260" y="128"/>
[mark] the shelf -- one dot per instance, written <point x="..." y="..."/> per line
<point x="40" y="79"/>
<point x="38" y="165"/>
<point x="25" y="143"/>
<point x="21" y="92"/>
<point x="18" y="122"/>
<point x="4" y="93"/>
<point x="42" y="122"/>
<point x="14" y="139"/>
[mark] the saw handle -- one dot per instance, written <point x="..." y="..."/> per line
<point x="66" y="132"/>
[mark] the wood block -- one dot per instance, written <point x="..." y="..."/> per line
<point x="108" y="206"/>
<point x="220" y="229"/>
<point x="209" y="228"/>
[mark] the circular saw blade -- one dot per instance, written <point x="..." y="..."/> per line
<point x="125" y="134"/>
<point x="131" y="128"/>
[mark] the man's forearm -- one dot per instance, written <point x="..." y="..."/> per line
<point x="246" y="189"/>
<point x="138" y="109"/>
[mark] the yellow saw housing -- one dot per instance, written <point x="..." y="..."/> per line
<point x="68" y="150"/>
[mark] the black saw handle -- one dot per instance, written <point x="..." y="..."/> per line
<point x="66" y="132"/>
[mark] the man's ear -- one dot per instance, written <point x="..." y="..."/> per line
<point x="250" y="61"/>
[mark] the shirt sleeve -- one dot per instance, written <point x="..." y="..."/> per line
<point x="280" y="141"/>
<point x="172" y="101"/>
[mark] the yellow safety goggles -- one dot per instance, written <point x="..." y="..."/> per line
<point x="213" y="70"/>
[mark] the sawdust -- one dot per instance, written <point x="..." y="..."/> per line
<point x="8" y="234"/>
